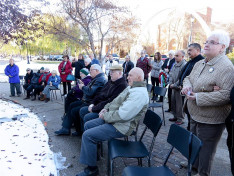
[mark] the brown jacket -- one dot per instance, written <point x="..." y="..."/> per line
<point x="211" y="107"/>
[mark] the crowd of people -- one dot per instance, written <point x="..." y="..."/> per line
<point x="103" y="107"/>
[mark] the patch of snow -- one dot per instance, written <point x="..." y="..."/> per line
<point x="24" y="148"/>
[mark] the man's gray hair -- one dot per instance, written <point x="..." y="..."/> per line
<point x="127" y="56"/>
<point x="54" y="71"/>
<point x="182" y="52"/>
<point x="97" y="67"/>
<point x="195" y="45"/>
<point x="171" y="52"/>
<point x="87" y="60"/>
<point x="47" y="69"/>
<point x="222" y="36"/>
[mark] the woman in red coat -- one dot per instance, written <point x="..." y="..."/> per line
<point x="65" y="68"/>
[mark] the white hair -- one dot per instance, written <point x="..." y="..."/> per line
<point x="97" y="67"/>
<point x="171" y="52"/>
<point x="127" y="56"/>
<point x="47" y="69"/>
<point x="222" y="36"/>
<point x="54" y="71"/>
<point x="88" y="60"/>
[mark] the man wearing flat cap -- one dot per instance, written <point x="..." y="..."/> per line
<point x="109" y="92"/>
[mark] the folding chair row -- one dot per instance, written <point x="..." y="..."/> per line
<point x="184" y="141"/>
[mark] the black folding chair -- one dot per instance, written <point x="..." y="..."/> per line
<point x="134" y="149"/>
<point x="162" y="92"/>
<point x="184" y="141"/>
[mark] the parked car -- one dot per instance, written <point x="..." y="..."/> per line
<point x="164" y="57"/>
<point x="115" y="57"/>
<point x="58" y="57"/>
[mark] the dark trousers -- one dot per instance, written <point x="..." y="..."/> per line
<point x="169" y="97"/>
<point x="210" y="135"/>
<point x="68" y="100"/>
<point x="65" y="85"/>
<point x="14" y="86"/>
<point x="73" y="115"/>
<point x="230" y="139"/>
<point x="38" y="89"/>
<point x="155" y="82"/>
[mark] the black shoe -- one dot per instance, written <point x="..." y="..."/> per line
<point x="168" y="110"/>
<point x="34" y="98"/>
<point x="63" y="94"/>
<point x="77" y="133"/>
<point x="47" y="99"/>
<point x="159" y="101"/>
<point x="26" y="98"/>
<point x="88" y="172"/>
<point x="19" y="95"/>
<point x="11" y="95"/>
<point x="63" y="131"/>
<point x="173" y="119"/>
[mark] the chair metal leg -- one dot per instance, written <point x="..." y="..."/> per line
<point x="111" y="167"/>
<point x="164" y="123"/>
<point x="61" y="95"/>
<point x="101" y="149"/>
<point x="55" y="95"/>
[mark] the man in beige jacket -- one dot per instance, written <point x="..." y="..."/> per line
<point x="176" y="99"/>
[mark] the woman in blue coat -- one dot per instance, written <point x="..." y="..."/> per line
<point x="12" y="71"/>
<point x="52" y="84"/>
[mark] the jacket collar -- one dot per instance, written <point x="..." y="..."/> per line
<point x="215" y="59"/>
<point x="138" y="84"/>
<point x="197" y="58"/>
<point x="119" y="81"/>
<point x="99" y="75"/>
<point x="180" y="63"/>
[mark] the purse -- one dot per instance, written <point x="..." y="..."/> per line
<point x="70" y="77"/>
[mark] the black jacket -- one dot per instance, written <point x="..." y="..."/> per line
<point x="88" y="66"/>
<point x="170" y="64"/>
<point x="230" y="124"/>
<point x="93" y="87"/>
<point x="28" y="77"/>
<point x="35" y="78"/>
<point x="130" y="66"/>
<point x="78" y="66"/>
<point x="108" y="93"/>
<point x="186" y="70"/>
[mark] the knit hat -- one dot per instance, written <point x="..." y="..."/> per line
<point x="42" y="68"/>
<point x="85" y="71"/>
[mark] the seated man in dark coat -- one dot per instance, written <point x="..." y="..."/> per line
<point x="27" y="83"/>
<point x="108" y="93"/>
<point x="89" y="91"/>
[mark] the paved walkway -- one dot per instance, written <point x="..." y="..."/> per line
<point x="69" y="146"/>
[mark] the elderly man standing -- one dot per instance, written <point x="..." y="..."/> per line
<point x="145" y="64"/>
<point x="12" y="71"/>
<point x="194" y="53"/>
<point x="89" y="91"/>
<point x="118" y="119"/>
<point x="177" y="103"/>
<point x="127" y="66"/>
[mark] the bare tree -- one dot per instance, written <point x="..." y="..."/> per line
<point x="101" y="21"/>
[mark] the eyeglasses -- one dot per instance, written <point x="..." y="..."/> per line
<point x="211" y="43"/>
<point x="92" y="69"/>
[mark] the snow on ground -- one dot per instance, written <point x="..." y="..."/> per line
<point x="24" y="148"/>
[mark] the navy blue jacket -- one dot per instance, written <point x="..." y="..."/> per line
<point x="93" y="87"/>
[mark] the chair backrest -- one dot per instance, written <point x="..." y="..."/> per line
<point x="160" y="90"/>
<point x="152" y="121"/>
<point x="183" y="141"/>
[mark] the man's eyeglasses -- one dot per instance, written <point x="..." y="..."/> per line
<point x="211" y="43"/>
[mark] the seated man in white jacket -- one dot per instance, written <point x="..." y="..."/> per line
<point x="118" y="119"/>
